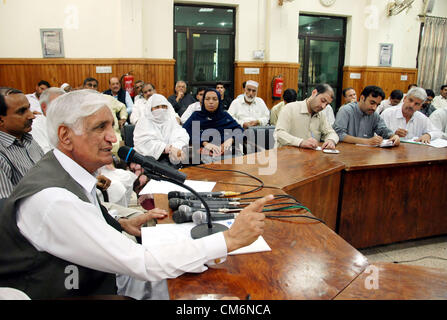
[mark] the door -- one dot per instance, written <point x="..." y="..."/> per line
<point x="204" y="46"/>
<point x="321" y="55"/>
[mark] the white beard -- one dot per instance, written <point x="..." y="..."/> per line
<point x="248" y="99"/>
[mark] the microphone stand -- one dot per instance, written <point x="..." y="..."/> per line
<point x="201" y="230"/>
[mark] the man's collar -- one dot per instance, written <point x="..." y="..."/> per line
<point x="399" y="113"/>
<point x="303" y="107"/>
<point x="78" y="173"/>
<point x="358" y="110"/>
<point x="7" y="140"/>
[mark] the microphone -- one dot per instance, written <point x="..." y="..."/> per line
<point x="174" y="203"/>
<point x="199" y="217"/>
<point x="190" y="196"/>
<point x="149" y="163"/>
<point x="184" y="209"/>
<point x="182" y="216"/>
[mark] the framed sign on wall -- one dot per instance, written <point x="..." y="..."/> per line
<point x="385" y="55"/>
<point x="52" y="43"/>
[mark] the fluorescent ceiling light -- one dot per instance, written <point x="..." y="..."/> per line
<point x="206" y="10"/>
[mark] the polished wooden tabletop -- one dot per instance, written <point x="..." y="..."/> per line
<point x="279" y="168"/>
<point x="356" y="157"/>
<point x="307" y="261"/>
<point x="388" y="281"/>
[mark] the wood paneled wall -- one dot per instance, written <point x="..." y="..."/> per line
<point x="24" y="74"/>
<point x="388" y="79"/>
<point x="267" y="70"/>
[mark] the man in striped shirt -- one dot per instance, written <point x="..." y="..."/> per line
<point x="18" y="151"/>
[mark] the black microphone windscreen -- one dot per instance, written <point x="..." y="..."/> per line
<point x="173" y="194"/>
<point x="179" y="217"/>
<point x="151" y="164"/>
<point x="174" y="203"/>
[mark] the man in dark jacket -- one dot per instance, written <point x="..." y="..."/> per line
<point x="181" y="99"/>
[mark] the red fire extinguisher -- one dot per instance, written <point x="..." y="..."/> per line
<point x="277" y="87"/>
<point x="128" y="82"/>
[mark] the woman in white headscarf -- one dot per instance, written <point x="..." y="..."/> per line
<point x="159" y="135"/>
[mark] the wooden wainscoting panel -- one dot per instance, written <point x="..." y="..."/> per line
<point x="267" y="70"/>
<point x="387" y="78"/>
<point x="24" y="74"/>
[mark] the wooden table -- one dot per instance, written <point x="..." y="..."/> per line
<point x="370" y="196"/>
<point x="305" y="174"/>
<point x="397" y="282"/>
<point x="307" y="261"/>
<point x="391" y="194"/>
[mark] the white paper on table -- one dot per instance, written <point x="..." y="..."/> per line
<point x="384" y="144"/>
<point x="154" y="186"/>
<point x="438" y="143"/>
<point x="172" y="233"/>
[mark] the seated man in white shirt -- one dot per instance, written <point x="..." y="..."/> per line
<point x="33" y="98"/>
<point x="441" y="100"/>
<point x="439" y="120"/>
<point x="39" y="128"/>
<point x="407" y="122"/>
<point x="52" y="225"/>
<point x="196" y="106"/>
<point x="394" y="100"/>
<point x="250" y="111"/>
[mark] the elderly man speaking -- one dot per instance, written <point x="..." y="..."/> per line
<point x="53" y="226"/>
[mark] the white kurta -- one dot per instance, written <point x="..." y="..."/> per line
<point x="34" y="102"/>
<point x="39" y="133"/>
<point x="439" y="102"/>
<point x="439" y="120"/>
<point x="385" y="104"/>
<point x="121" y="186"/>
<point x="193" y="107"/>
<point x="329" y="113"/>
<point x="418" y="125"/>
<point x="243" y="112"/>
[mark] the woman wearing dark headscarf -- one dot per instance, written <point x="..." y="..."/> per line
<point x="212" y="128"/>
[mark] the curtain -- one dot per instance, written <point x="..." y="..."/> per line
<point x="432" y="70"/>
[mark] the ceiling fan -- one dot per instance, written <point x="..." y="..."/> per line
<point x="397" y="6"/>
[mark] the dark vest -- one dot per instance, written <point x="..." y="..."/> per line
<point x="121" y="95"/>
<point x="39" y="274"/>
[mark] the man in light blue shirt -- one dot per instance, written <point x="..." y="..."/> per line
<point x="357" y="122"/>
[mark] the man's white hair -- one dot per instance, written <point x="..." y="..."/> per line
<point x="46" y="94"/>
<point x="70" y="109"/>
<point x="418" y="93"/>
